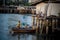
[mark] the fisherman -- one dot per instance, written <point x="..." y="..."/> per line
<point x="18" y="25"/>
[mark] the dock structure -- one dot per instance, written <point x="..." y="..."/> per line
<point x="34" y="20"/>
<point x="6" y="9"/>
<point x="38" y="23"/>
<point x="17" y="9"/>
<point x="41" y="26"/>
<point x="53" y="22"/>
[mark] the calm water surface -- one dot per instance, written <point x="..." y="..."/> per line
<point x="8" y="21"/>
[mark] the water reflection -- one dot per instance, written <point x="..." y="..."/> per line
<point x="22" y="36"/>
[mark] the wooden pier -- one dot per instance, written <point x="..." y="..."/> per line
<point x="14" y="9"/>
<point x="39" y="23"/>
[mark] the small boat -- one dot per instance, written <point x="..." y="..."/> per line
<point x="22" y="30"/>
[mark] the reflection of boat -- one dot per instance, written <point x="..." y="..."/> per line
<point x="22" y="30"/>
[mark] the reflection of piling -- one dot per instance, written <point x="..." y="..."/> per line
<point x="18" y="36"/>
<point x="37" y="37"/>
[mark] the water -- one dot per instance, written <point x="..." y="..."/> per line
<point x="10" y="20"/>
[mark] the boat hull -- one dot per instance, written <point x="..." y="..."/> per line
<point x="23" y="30"/>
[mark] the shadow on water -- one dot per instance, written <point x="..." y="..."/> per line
<point x="27" y="36"/>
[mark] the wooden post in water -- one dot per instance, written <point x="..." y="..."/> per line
<point x="46" y="26"/>
<point x="53" y="21"/>
<point x="33" y="19"/>
<point x="43" y="24"/>
<point x="33" y="22"/>
<point x="56" y="23"/>
<point x="10" y="10"/>
<point x="37" y="24"/>
<point x="40" y="26"/>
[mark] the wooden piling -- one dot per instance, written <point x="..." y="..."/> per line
<point x="56" y="23"/>
<point x="33" y="19"/>
<point x="46" y="26"/>
<point x="37" y="24"/>
<point x="40" y="26"/>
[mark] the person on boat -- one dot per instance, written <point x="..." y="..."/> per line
<point x="18" y="25"/>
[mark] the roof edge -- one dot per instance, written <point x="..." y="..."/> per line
<point x="45" y="2"/>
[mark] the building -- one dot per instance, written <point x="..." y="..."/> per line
<point x="48" y="7"/>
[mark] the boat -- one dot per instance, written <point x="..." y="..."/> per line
<point x="22" y="30"/>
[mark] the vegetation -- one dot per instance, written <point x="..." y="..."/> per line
<point x="27" y="4"/>
<point x="10" y="2"/>
<point x="17" y="3"/>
